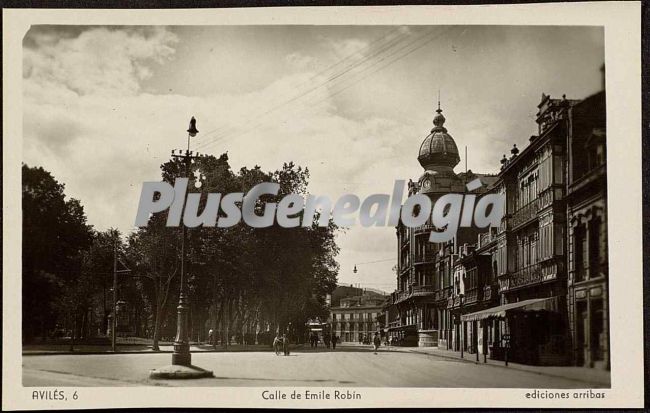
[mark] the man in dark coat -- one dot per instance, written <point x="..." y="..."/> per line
<point x="285" y="344"/>
<point x="376" y="341"/>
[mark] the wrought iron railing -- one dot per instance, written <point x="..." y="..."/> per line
<point x="526" y="213"/>
<point x="402" y="295"/>
<point x="423" y="289"/>
<point x="525" y="276"/>
<point x="424" y="258"/>
<point x="471" y="296"/>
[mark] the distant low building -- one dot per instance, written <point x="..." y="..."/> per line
<point x="354" y="312"/>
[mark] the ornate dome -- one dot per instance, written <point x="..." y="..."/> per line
<point x="438" y="149"/>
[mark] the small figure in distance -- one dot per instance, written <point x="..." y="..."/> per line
<point x="277" y="343"/>
<point x="285" y="344"/>
<point x="376" y="341"/>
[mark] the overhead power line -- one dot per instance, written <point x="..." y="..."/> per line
<point x="356" y="53"/>
<point x="396" y="44"/>
<point x="353" y="83"/>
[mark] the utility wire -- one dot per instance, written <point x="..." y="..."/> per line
<point x="381" y="59"/>
<point x="369" y="46"/>
<point x="372" y="262"/>
<point x="355" y="53"/>
<point x="315" y="104"/>
<point x="384" y="48"/>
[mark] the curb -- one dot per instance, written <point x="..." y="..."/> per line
<point x="87" y="353"/>
<point x="511" y="366"/>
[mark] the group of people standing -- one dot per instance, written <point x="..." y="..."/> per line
<point x="281" y="343"/>
<point x="328" y="340"/>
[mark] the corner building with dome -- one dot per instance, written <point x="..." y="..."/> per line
<point x="417" y="314"/>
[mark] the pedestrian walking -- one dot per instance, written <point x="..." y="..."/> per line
<point x="210" y="334"/>
<point x="285" y="344"/>
<point x="277" y="344"/>
<point x="334" y="340"/>
<point x="376" y="341"/>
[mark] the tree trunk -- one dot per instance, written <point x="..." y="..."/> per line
<point x="74" y="328"/>
<point x="156" y="328"/>
<point x="216" y="322"/>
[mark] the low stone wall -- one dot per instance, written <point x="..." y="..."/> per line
<point x="428" y="338"/>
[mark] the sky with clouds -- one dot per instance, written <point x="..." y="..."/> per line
<point x="103" y="106"/>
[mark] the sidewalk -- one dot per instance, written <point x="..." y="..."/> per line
<point x="583" y="374"/>
<point x="165" y="347"/>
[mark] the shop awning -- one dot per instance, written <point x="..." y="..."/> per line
<point x="403" y="327"/>
<point x="535" y="304"/>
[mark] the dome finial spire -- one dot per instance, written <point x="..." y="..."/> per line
<point x="438" y="119"/>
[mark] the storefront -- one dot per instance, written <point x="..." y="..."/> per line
<point x="530" y="332"/>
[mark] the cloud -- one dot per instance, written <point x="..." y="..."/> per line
<point x="347" y="47"/>
<point x="55" y="127"/>
<point x="302" y="62"/>
<point x="98" y="61"/>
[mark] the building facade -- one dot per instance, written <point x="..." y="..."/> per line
<point x="421" y="315"/>
<point x="534" y="289"/>
<point x="587" y="234"/>
<point x="354" y="317"/>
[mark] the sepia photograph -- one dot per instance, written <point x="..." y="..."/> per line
<point x="312" y="210"/>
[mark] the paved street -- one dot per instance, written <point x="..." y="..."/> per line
<point x="353" y="366"/>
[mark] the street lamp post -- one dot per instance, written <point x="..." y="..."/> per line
<point x="181" y="367"/>
<point x="461" y="332"/>
<point x="181" y="355"/>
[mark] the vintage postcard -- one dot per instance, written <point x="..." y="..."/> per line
<point x="422" y="206"/>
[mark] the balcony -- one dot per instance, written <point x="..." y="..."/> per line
<point x="401" y="296"/>
<point x="471" y="296"/>
<point x="486" y="238"/>
<point x="526" y="276"/>
<point x="443" y="294"/>
<point x="420" y="259"/>
<point x="525" y="214"/>
<point x="423" y="289"/>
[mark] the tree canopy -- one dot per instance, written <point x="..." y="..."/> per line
<point x="241" y="281"/>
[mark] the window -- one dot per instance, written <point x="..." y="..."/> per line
<point x="580" y="255"/>
<point x="594" y="247"/>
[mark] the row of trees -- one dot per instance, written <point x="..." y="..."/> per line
<point x="241" y="280"/>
